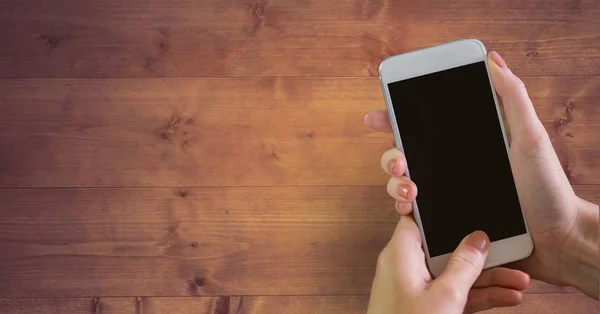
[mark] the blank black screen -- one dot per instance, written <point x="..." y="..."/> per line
<point x="456" y="155"/>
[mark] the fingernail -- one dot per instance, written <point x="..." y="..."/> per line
<point x="403" y="190"/>
<point x="366" y="118"/>
<point x="498" y="60"/>
<point x="478" y="240"/>
<point x="392" y="166"/>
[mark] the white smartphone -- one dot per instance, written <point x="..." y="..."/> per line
<point x="446" y="120"/>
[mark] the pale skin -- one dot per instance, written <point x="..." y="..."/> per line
<point x="564" y="227"/>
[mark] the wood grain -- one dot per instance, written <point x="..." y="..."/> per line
<point x="185" y="38"/>
<point x="235" y="132"/>
<point x="552" y="304"/>
<point x="535" y="303"/>
<point x="196" y="241"/>
<point x="209" y="156"/>
<point x="76" y="306"/>
<point x="216" y="305"/>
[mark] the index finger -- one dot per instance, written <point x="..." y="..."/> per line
<point x="378" y="120"/>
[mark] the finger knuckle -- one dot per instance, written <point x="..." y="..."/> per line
<point x="382" y="260"/>
<point x="465" y="260"/>
<point x="534" y="141"/>
<point x="539" y="137"/>
<point x="449" y="291"/>
<point x="519" y="84"/>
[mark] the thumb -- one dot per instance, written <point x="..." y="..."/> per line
<point x="466" y="263"/>
<point x="520" y="114"/>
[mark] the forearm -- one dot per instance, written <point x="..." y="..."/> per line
<point x="582" y="255"/>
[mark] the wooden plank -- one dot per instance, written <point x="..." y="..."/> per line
<point x="195" y="241"/>
<point x="235" y="132"/>
<point x="552" y="304"/>
<point x="184" y="38"/>
<point x="138" y="305"/>
<point x="71" y="306"/>
<point x="301" y="304"/>
<point x="536" y="303"/>
<point x="216" y="305"/>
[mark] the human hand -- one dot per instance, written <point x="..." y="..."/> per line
<point x="563" y="226"/>
<point x="403" y="284"/>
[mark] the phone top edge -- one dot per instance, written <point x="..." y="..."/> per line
<point x="446" y="56"/>
<point x="420" y="50"/>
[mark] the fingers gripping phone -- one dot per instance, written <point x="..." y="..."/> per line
<point x="446" y="120"/>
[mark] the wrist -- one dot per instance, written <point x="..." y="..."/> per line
<point x="581" y="258"/>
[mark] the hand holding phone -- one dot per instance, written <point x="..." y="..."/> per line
<point x="555" y="214"/>
<point x="403" y="284"/>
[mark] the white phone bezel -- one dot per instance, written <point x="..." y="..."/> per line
<point x="435" y="59"/>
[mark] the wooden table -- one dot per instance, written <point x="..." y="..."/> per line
<point x="208" y="156"/>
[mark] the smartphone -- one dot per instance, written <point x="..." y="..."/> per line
<point x="446" y="120"/>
